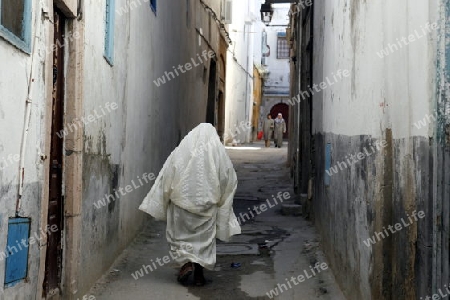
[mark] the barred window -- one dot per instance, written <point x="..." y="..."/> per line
<point x="282" y="48"/>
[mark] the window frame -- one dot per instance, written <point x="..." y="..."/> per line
<point x="22" y="43"/>
<point x="282" y="38"/>
<point x="108" y="53"/>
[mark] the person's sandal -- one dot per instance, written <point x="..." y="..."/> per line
<point x="199" y="279"/>
<point x="185" y="271"/>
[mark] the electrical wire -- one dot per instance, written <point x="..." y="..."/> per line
<point x="218" y="21"/>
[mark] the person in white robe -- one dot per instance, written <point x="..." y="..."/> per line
<point x="280" y="129"/>
<point x="194" y="193"/>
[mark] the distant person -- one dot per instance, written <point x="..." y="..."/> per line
<point x="280" y="128"/>
<point x="268" y="127"/>
<point x="194" y="193"/>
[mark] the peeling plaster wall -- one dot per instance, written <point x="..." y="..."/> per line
<point x="381" y="100"/>
<point x="150" y="120"/>
<point x="16" y="66"/>
<point x="122" y="143"/>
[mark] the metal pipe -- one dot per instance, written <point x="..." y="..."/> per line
<point x="26" y="128"/>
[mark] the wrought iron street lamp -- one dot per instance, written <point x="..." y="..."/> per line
<point x="266" y="12"/>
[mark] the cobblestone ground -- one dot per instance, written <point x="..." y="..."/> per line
<point x="277" y="253"/>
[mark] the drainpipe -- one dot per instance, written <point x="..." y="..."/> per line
<point x="247" y="96"/>
<point x="26" y="128"/>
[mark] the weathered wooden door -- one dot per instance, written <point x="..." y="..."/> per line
<point x="53" y="262"/>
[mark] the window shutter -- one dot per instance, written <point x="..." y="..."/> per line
<point x="17" y="258"/>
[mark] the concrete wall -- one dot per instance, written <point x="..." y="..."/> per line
<point x="150" y="120"/>
<point x="382" y="100"/>
<point x="118" y="147"/>
<point x="257" y="120"/>
<point x="14" y="80"/>
<point x="294" y="38"/>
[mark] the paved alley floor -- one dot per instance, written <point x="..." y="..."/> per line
<point x="279" y="255"/>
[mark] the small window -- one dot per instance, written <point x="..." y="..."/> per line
<point x="109" y="31"/>
<point x="282" y="48"/>
<point x="153" y="5"/>
<point x="15" y="23"/>
<point x="228" y="12"/>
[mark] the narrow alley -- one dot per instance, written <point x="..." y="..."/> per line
<point x="272" y="247"/>
<point x="224" y="149"/>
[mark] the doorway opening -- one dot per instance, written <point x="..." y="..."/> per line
<point x="221" y="115"/>
<point x="282" y="108"/>
<point x="53" y="260"/>
<point x="212" y="83"/>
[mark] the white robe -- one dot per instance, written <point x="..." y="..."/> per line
<point x="194" y="192"/>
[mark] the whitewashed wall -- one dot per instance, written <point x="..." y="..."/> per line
<point x="239" y="102"/>
<point x="14" y="78"/>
